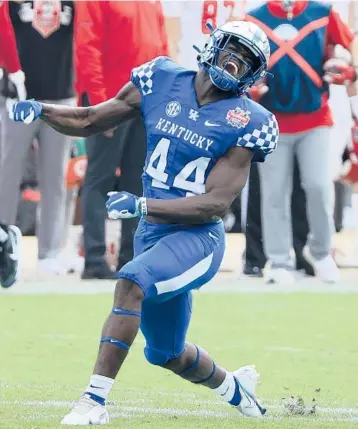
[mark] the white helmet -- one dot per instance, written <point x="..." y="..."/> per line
<point x="246" y="34"/>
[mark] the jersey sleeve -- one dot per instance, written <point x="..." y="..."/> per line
<point x="150" y="77"/>
<point x="338" y="33"/>
<point x="9" y="58"/>
<point x="261" y="135"/>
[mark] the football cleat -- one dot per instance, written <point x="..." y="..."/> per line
<point x="86" y="412"/>
<point x="326" y="269"/>
<point x="248" y="378"/>
<point x="280" y="276"/>
<point x="10" y="257"/>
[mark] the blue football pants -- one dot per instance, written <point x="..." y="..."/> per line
<point x="169" y="262"/>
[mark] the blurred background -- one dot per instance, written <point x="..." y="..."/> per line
<point x="54" y="187"/>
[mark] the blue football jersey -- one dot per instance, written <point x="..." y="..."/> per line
<point x="184" y="139"/>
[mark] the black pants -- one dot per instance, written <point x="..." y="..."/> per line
<point x="254" y="254"/>
<point x="126" y="149"/>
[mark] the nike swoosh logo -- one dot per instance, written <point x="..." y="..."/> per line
<point x="210" y="124"/>
<point x="251" y="402"/>
<point x="123" y="197"/>
<point x="213" y="236"/>
<point x="30" y="118"/>
<point x="96" y="387"/>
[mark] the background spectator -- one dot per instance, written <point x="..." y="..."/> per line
<point x="111" y="39"/>
<point x="299" y="98"/>
<point x="44" y="37"/>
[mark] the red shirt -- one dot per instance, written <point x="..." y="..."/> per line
<point x="111" y="38"/>
<point x="9" y="59"/>
<point x="338" y="33"/>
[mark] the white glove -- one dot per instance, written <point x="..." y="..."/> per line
<point x="18" y="79"/>
<point x="339" y="72"/>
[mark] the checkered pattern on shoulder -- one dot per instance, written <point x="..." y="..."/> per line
<point x="264" y="138"/>
<point x="142" y="77"/>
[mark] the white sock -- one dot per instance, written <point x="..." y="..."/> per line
<point x="99" y="386"/>
<point x="3" y="236"/>
<point x="229" y="390"/>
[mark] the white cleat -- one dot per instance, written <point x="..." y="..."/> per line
<point x="326" y="269"/>
<point x="86" y="412"/>
<point x="280" y="276"/>
<point x="248" y="378"/>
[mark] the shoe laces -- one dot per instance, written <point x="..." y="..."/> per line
<point x="84" y="404"/>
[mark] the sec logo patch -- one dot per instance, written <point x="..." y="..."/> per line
<point x="173" y="109"/>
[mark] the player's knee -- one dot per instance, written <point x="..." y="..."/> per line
<point x="177" y="363"/>
<point x="156" y="357"/>
<point x="127" y="290"/>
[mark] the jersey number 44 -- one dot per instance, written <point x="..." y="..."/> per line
<point x="157" y="165"/>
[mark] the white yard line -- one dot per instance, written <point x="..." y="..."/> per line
<point x="123" y="411"/>
<point x="72" y="285"/>
<point x="145" y="396"/>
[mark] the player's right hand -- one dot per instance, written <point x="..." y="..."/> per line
<point x="25" y="111"/>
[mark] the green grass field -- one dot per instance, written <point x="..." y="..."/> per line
<point x="304" y="345"/>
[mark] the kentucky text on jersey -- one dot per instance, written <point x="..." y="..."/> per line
<point x="184" y="133"/>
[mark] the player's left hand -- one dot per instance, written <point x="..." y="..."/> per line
<point x="123" y="205"/>
<point x="338" y="72"/>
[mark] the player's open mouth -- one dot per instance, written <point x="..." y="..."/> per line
<point x="234" y="68"/>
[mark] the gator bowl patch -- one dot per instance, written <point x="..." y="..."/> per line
<point x="238" y="118"/>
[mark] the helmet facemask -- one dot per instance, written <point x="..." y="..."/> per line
<point x="232" y="64"/>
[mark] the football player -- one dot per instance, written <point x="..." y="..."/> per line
<point x="202" y="135"/>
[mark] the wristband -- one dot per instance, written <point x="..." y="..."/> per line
<point x="142" y="206"/>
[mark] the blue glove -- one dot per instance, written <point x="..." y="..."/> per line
<point x="123" y="205"/>
<point x="25" y="111"/>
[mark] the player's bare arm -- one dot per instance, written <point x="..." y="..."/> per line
<point x="224" y="183"/>
<point x="86" y="121"/>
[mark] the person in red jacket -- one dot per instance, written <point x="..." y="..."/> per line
<point x="10" y="235"/>
<point x="9" y="58"/>
<point x="111" y="38"/>
<point x="8" y="51"/>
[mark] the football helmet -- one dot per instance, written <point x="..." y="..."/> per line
<point x="228" y="70"/>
